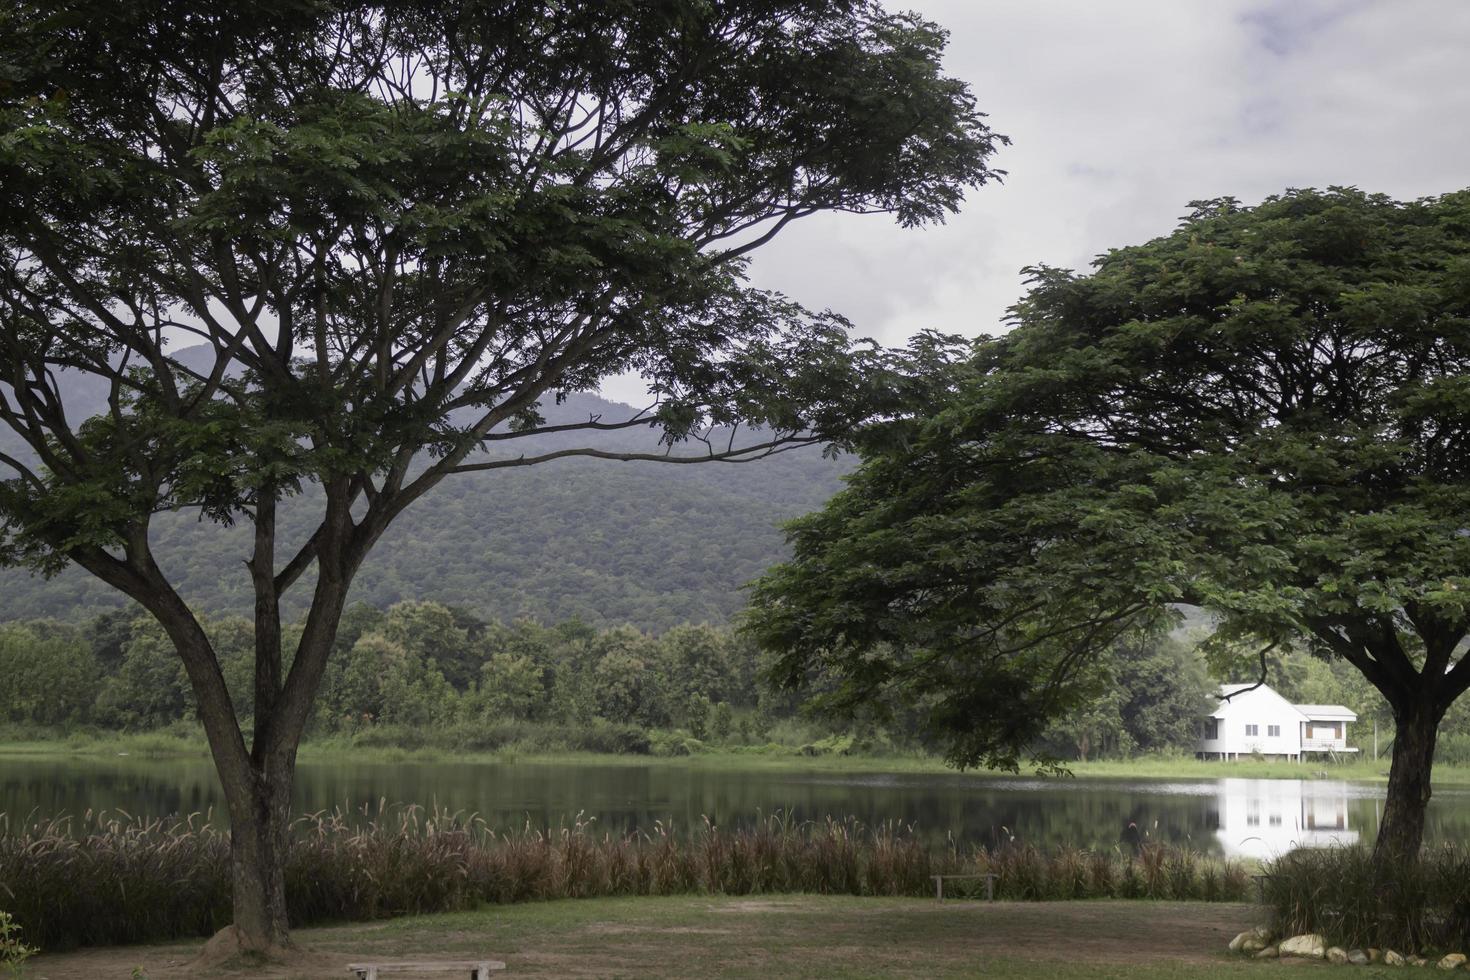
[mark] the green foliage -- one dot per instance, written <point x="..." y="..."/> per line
<point x="511" y="687"/>
<point x="474" y="256"/>
<point x="397" y="231"/>
<point x="652" y="546"/>
<point x="385" y="682"/>
<point x="617" y="668"/>
<point x="722" y="721"/>
<point x="565" y="688"/>
<point x="150" y="688"/>
<point x="696" y="715"/>
<point x="13" y="952"/>
<point x="48" y="674"/>
<point x="1261" y="414"/>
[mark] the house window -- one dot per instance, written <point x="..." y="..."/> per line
<point x="1252" y="730"/>
<point x="1273" y="731"/>
<point x="1212" y="728"/>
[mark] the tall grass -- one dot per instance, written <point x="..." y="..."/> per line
<point x="1342" y="893"/>
<point x="105" y="880"/>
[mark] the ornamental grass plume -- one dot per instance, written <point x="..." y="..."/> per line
<point x="106" y="879"/>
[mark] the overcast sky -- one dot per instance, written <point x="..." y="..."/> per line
<point x="1120" y="113"/>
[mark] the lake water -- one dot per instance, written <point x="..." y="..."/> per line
<point x="1238" y="817"/>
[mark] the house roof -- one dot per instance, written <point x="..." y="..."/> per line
<point x="1327" y="712"/>
<point x="1265" y="690"/>
<point x="1310" y="712"/>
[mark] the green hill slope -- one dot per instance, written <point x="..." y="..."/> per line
<point x="607" y="542"/>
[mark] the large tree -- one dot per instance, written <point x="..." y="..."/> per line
<point x="389" y="231"/>
<point x="1266" y="413"/>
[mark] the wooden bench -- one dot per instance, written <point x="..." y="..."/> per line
<point x="478" y="969"/>
<point x="989" y="884"/>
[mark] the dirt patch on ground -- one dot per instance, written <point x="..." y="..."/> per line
<point x="623" y="929"/>
<point x="797" y="937"/>
<point x="755" y="905"/>
<point x="1111" y="932"/>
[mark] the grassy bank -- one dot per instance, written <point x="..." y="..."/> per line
<point x="803" y="936"/>
<point x="176" y="743"/>
<point x="824" y="755"/>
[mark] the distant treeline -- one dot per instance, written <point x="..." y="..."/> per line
<point x="414" y="666"/>
<point x="429" y="674"/>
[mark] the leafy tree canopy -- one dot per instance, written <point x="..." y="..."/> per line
<point x="1264" y="414"/>
<point x="397" y="229"/>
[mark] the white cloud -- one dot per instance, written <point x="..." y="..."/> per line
<point x="1121" y="113"/>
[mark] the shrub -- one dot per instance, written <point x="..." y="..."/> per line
<point x="675" y="744"/>
<point x="1341" y="892"/>
<point x="610" y="738"/>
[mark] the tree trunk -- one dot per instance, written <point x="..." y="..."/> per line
<point x="1401" y="832"/>
<point x="260" y="837"/>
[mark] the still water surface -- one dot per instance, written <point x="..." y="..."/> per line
<point x="1239" y="817"/>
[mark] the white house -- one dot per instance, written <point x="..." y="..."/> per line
<point x="1258" y="721"/>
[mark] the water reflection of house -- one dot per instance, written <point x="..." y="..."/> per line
<point x="1255" y="720"/>
<point x="1263" y="818"/>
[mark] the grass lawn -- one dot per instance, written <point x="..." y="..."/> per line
<point x="165" y="745"/>
<point x="786" y="936"/>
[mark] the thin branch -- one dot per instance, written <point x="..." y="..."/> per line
<point x="763" y="451"/>
<point x="1262" y="682"/>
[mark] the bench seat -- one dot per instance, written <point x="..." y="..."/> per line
<point x="990" y="879"/>
<point x="477" y="969"/>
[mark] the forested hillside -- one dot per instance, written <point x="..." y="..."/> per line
<point x="650" y="544"/>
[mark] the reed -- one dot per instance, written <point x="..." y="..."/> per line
<point x="1420" y="906"/>
<point x="112" y="879"/>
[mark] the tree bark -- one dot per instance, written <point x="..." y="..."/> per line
<point x="260" y="809"/>
<point x="1401" y="832"/>
<point x="260" y="837"/>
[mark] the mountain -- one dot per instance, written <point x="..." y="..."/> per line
<point x="607" y="542"/>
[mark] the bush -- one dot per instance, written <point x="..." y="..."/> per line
<point x="1341" y="892"/>
<point x="610" y="738"/>
<point x="502" y="735"/>
<point x="676" y="744"/>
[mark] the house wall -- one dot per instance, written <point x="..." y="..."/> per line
<point x="1321" y="735"/>
<point x="1262" y="709"/>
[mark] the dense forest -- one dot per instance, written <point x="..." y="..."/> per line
<point x="448" y="640"/>
<point x="647" y="544"/>
<point x="429" y="674"/>
<point x="415" y="673"/>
